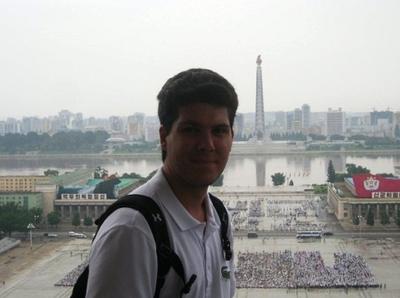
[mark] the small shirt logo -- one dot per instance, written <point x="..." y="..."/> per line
<point x="225" y="272"/>
<point x="371" y="183"/>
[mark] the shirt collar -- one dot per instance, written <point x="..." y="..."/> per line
<point x="183" y="219"/>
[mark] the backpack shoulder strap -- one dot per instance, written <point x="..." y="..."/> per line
<point x="80" y="286"/>
<point x="166" y="257"/>
<point x="224" y="218"/>
<point x="158" y="226"/>
<point x="150" y="211"/>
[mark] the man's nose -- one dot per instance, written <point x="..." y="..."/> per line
<point x="206" y="142"/>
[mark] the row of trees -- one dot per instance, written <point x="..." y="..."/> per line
<point x="299" y="136"/>
<point x="76" y="220"/>
<point x="370" y="218"/>
<point x="137" y="148"/>
<point x="14" y="217"/>
<point x="61" y="142"/>
<point x="288" y="136"/>
<point x="351" y="169"/>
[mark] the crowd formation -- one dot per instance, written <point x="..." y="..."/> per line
<point x="301" y="269"/>
<point x="285" y="215"/>
<point x="70" y="279"/>
<point x="284" y="269"/>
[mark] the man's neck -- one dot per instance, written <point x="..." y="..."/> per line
<point x="192" y="198"/>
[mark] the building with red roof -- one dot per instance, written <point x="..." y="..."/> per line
<point x="359" y="193"/>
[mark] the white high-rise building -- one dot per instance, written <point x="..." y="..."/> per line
<point x="135" y="126"/>
<point x="306" y="111"/>
<point x="335" y="122"/>
<point x="297" y="120"/>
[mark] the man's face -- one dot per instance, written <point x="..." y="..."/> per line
<point x="198" y="145"/>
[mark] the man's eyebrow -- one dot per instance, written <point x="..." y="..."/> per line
<point x="222" y="125"/>
<point x="187" y="122"/>
<point x="194" y="123"/>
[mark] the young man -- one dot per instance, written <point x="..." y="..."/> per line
<point x="196" y="111"/>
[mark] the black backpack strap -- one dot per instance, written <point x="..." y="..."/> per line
<point x="166" y="257"/>
<point x="224" y="218"/>
<point x="79" y="290"/>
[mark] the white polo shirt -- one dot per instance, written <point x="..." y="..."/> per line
<point x="123" y="260"/>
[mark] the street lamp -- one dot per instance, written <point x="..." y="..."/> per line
<point x="30" y="227"/>
<point x="36" y="219"/>
<point x="359" y="226"/>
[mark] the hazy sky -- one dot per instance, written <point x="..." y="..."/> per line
<point x="106" y="58"/>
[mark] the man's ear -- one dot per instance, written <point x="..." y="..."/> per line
<point x="163" y="137"/>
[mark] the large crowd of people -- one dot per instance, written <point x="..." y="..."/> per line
<point x="284" y="269"/>
<point x="283" y="215"/>
<point x="301" y="269"/>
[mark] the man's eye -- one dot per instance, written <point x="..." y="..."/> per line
<point x="190" y="129"/>
<point x="221" y="130"/>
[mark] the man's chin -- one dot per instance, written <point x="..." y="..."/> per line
<point x="203" y="181"/>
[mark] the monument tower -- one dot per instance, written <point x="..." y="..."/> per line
<point x="260" y="123"/>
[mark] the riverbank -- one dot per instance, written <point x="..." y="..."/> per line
<point x="156" y="155"/>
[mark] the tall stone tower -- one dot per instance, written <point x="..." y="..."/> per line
<point x="260" y="123"/>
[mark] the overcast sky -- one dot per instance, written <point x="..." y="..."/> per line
<point x="106" y="58"/>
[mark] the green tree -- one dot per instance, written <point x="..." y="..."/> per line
<point x="87" y="221"/>
<point x="107" y="187"/>
<point x="132" y="175"/>
<point x="385" y="218"/>
<point x="337" y="138"/>
<point x="320" y="188"/>
<point x="353" y="169"/>
<point x="13" y="217"/>
<point x="50" y="172"/>
<point x="53" y="218"/>
<point x="370" y="217"/>
<point x="316" y="137"/>
<point x="76" y="219"/>
<point x="278" y="179"/>
<point x="331" y="172"/>
<point x="398" y="217"/>
<point x="100" y="172"/>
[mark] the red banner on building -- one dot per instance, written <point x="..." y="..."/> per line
<point x="366" y="184"/>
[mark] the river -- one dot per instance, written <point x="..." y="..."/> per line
<point x="241" y="170"/>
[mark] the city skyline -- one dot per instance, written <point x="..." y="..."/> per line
<point x="154" y="115"/>
<point x="112" y="58"/>
<point x="299" y="120"/>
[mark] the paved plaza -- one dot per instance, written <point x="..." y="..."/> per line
<point x="268" y="214"/>
<point x="382" y="256"/>
<point x="281" y="213"/>
<point x="39" y="279"/>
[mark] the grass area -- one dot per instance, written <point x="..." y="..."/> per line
<point x="320" y="188"/>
